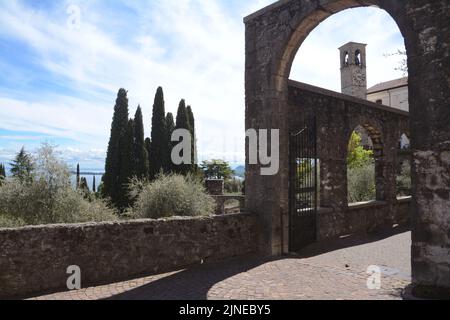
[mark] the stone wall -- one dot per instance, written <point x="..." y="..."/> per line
<point x="362" y="218"/>
<point x="338" y="115"/>
<point x="35" y="259"/>
<point x="215" y="187"/>
<point x="273" y="36"/>
<point x="221" y="201"/>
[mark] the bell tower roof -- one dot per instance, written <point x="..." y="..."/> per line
<point x="352" y="44"/>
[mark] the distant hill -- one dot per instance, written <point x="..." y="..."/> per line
<point x="240" y="171"/>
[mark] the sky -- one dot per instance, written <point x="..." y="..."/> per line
<point x="62" y="63"/>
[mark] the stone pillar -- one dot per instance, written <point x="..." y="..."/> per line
<point x="266" y="108"/>
<point x="332" y="148"/>
<point x="428" y="45"/>
<point x="215" y="187"/>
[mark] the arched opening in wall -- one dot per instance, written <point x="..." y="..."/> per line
<point x="346" y="61"/>
<point x="339" y="57"/>
<point x="358" y="58"/>
<point x="403" y="167"/>
<point x="355" y="170"/>
<point x="318" y="62"/>
<point x="361" y="182"/>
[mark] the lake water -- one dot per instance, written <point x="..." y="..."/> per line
<point x="89" y="178"/>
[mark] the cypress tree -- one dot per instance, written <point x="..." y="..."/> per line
<point x="2" y="173"/>
<point x="191" y="120"/>
<point x="159" y="153"/>
<point x="170" y="124"/>
<point x="83" y="184"/>
<point x="22" y="166"/>
<point x="148" y="146"/>
<point x="94" y="187"/>
<point x="182" y="123"/>
<point x="126" y="171"/>
<point x="140" y="154"/>
<point x="117" y="157"/>
<point x="84" y="188"/>
<point x="78" y="175"/>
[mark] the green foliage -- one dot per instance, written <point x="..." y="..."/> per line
<point x="182" y="122"/>
<point x="234" y="186"/>
<point x="361" y="183"/>
<point x="170" y="126"/>
<point x="50" y="169"/>
<point x="148" y="146"/>
<point x="11" y="222"/>
<point x="304" y="171"/>
<point x="217" y="169"/>
<point x="2" y="170"/>
<point x="100" y="189"/>
<point x="22" y="166"/>
<point x="140" y="154"/>
<point x="191" y="121"/>
<point x="182" y="116"/>
<point x="360" y="171"/>
<point x="48" y="197"/>
<point x="127" y="169"/>
<point x="118" y="167"/>
<point x="130" y="155"/>
<point x="358" y="156"/>
<point x="84" y="188"/>
<point x="159" y="148"/>
<point x="78" y="176"/>
<point x="2" y="173"/>
<point x="170" y="195"/>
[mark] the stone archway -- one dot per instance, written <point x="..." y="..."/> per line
<point x="273" y="36"/>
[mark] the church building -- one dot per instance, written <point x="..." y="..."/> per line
<point x="392" y="93"/>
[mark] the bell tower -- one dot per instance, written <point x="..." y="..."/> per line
<point x="353" y="69"/>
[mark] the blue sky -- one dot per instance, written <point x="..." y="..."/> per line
<point x="62" y="63"/>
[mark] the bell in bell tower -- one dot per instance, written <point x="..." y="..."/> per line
<point x="353" y="70"/>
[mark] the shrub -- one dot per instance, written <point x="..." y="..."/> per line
<point x="10" y="222"/>
<point x="48" y="198"/>
<point x="357" y="156"/>
<point x="234" y="186"/>
<point x="37" y="203"/>
<point x="217" y="169"/>
<point x="361" y="183"/>
<point x="170" y="195"/>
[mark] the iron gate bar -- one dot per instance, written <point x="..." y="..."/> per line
<point x="303" y="185"/>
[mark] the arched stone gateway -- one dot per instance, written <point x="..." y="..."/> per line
<point x="273" y="37"/>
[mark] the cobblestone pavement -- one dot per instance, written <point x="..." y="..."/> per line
<point x="338" y="274"/>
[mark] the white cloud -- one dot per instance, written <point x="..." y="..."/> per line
<point x="193" y="48"/>
<point x="317" y="61"/>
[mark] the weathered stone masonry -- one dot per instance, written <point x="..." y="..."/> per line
<point x="337" y="115"/>
<point x="35" y="259"/>
<point x="273" y="36"/>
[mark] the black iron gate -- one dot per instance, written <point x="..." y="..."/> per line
<point x="303" y="185"/>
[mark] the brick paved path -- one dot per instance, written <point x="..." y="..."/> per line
<point x="337" y="274"/>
